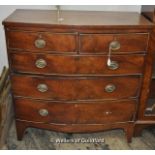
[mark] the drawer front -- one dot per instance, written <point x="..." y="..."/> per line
<point x="75" y="113"/>
<point x="96" y="43"/>
<point x="76" y="88"/>
<point x="53" y="42"/>
<point x="57" y="64"/>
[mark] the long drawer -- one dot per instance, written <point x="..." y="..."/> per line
<point x="99" y="43"/>
<point x="75" y="113"/>
<point x="74" y="88"/>
<point x="42" y="41"/>
<point x="76" y="64"/>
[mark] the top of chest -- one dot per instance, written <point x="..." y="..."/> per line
<point x="76" y="20"/>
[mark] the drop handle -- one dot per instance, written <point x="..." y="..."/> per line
<point x="113" y="46"/>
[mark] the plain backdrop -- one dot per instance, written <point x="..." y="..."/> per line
<point x="6" y="10"/>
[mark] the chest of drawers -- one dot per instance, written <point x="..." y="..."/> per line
<point x="84" y="73"/>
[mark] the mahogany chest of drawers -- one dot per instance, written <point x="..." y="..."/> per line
<point x="87" y="72"/>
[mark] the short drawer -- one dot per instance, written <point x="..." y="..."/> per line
<point x="76" y="64"/>
<point x="75" y="113"/>
<point x="33" y="41"/>
<point x="74" y="88"/>
<point x="99" y="43"/>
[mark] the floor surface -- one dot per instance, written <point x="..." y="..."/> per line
<point x="37" y="139"/>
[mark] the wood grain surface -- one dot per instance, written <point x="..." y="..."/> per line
<point x="73" y="88"/>
<point x="89" y="65"/>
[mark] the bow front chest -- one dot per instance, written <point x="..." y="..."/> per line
<point x="83" y="72"/>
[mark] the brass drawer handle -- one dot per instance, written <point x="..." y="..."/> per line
<point x="40" y="43"/>
<point x="113" y="65"/>
<point x="42" y="88"/>
<point x="114" y="45"/>
<point x="41" y="63"/>
<point x="43" y="112"/>
<point x="110" y="88"/>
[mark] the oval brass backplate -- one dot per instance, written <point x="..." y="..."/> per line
<point x="43" y="112"/>
<point x="114" y="45"/>
<point x="40" y="43"/>
<point x="41" y="63"/>
<point x="42" y="88"/>
<point x="110" y="88"/>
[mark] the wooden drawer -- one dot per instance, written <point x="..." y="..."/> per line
<point x="46" y="41"/>
<point x="75" y="113"/>
<point x="74" y="88"/>
<point x="75" y="64"/>
<point x="99" y="43"/>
